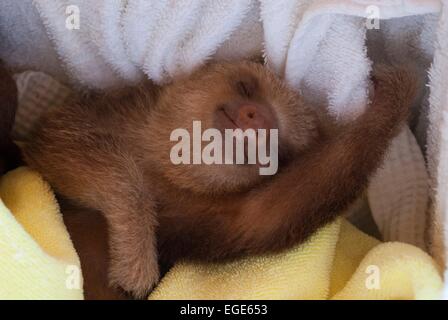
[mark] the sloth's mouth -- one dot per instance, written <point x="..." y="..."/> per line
<point x="244" y="116"/>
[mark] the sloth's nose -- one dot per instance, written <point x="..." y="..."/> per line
<point x="250" y="116"/>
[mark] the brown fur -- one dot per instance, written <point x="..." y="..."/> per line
<point x="88" y="231"/>
<point x="111" y="153"/>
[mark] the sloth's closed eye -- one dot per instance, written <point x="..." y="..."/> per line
<point x="246" y="88"/>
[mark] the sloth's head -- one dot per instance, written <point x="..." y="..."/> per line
<point x="224" y="96"/>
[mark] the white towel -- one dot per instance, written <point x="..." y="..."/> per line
<point x="319" y="47"/>
<point x="321" y="55"/>
<point x="398" y="194"/>
<point x="119" y="40"/>
<point x="24" y="42"/>
<point x="438" y="141"/>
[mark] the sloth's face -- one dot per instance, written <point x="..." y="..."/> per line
<point x="231" y="96"/>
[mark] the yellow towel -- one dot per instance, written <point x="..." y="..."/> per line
<point x="338" y="262"/>
<point x="38" y="261"/>
<point x="37" y="257"/>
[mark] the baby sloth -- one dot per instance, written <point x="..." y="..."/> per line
<point x="112" y="153"/>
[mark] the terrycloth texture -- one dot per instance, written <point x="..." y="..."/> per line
<point x="438" y="141"/>
<point x="120" y="40"/>
<point x="38" y="93"/>
<point x="37" y="257"/>
<point x="398" y="192"/>
<point x="336" y="263"/>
